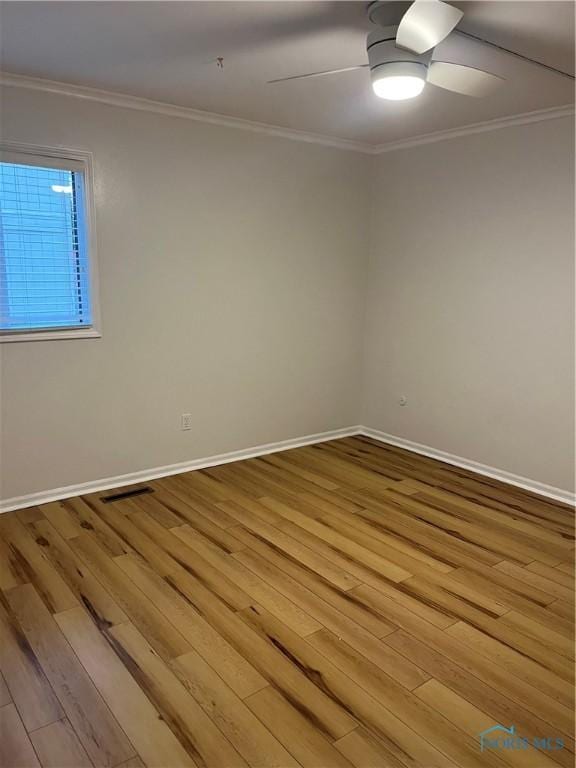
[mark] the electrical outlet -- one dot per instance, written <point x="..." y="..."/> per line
<point x="403" y="400"/>
<point x="186" y="421"/>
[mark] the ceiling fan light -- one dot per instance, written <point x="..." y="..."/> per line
<point x="399" y="80"/>
<point x="398" y="87"/>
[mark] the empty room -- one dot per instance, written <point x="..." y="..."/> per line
<point x="287" y="391"/>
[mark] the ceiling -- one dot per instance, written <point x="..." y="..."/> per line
<point x="167" y="51"/>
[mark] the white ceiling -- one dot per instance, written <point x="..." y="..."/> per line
<point x="167" y="51"/>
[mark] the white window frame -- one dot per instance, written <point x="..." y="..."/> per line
<point x="74" y="160"/>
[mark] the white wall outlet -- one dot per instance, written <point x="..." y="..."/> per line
<point x="403" y="400"/>
<point x="186" y="421"/>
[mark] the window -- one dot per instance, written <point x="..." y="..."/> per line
<point x="46" y="260"/>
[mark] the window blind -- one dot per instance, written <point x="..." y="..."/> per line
<point x="44" y="270"/>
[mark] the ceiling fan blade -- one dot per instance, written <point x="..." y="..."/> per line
<point x="319" y="74"/>
<point x="425" y="24"/>
<point x="462" y="79"/>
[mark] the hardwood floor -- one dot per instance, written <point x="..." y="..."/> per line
<point x="344" y="604"/>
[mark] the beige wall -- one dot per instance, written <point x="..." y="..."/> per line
<point x="236" y="285"/>
<point x="471" y="299"/>
<point x="231" y="281"/>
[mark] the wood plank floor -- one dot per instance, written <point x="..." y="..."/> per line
<point x="344" y="604"/>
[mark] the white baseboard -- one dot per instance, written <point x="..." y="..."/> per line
<point x="56" y="494"/>
<point x="558" y="494"/>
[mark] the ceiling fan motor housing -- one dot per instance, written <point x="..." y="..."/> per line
<point x="385" y="57"/>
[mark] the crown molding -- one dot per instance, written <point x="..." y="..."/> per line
<point x="525" y="118"/>
<point x="172" y="110"/>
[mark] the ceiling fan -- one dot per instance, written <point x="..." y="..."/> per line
<point x="400" y="54"/>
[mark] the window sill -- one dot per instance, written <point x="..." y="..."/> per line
<point x="73" y="333"/>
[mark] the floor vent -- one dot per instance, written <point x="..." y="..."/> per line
<point x="126" y="494"/>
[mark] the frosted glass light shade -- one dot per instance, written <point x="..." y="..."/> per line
<point x="398" y="80"/>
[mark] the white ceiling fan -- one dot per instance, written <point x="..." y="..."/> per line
<point x="400" y="55"/>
